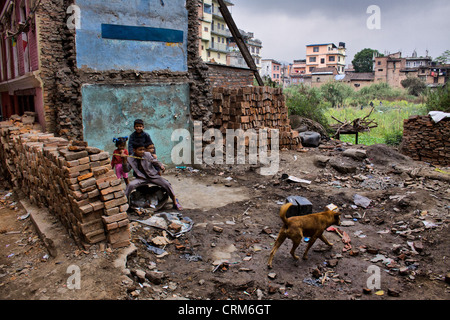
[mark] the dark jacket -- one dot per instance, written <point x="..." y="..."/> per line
<point x="143" y="138"/>
<point x="148" y="165"/>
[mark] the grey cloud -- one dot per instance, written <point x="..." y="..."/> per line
<point x="287" y="26"/>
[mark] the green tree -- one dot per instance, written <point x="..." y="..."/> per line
<point x="363" y="61"/>
<point x="335" y="92"/>
<point x="444" y="58"/>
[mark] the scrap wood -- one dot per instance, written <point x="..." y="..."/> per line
<point x="357" y="125"/>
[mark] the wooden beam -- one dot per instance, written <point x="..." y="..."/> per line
<point x="239" y="41"/>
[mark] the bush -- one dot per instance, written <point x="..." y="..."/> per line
<point x="393" y="138"/>
<point x="415" y="86"/>
<point x="307" y="102"/>
<point x="336" y="92"/>
<point x="438" y="99"/>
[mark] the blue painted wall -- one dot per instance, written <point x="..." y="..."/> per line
<point x="110" y="110"/>
<point x="98" y="51"/>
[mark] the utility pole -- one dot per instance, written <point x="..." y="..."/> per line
<point x="240" y="41"/>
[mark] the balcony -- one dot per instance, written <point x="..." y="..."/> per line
<point x="224" y="33"/>
<point x="218" y="47"/>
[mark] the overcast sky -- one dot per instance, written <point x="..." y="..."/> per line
<point x="286" y="26"/>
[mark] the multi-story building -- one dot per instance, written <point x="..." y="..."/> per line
<point x="271" y="69"/>
<point x="299" y="67"/>
<point x="254" y="46"/>
<point x="20" y="82"/>
<point x="325" y="55"/>
<point x="213" y="31"/>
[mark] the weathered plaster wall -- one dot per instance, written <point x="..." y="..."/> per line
<point x="102" y="42"/>
<point x="110" y="110"/>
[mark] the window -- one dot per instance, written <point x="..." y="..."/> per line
<point x="331" y="58"/>
<point x="311" y="69"/>
<point x="380" y="70"/>
<point x="316" y="49"/>
<point x="379" y="63"/>
<point x="207" y="8"/>
<point x="206" y="29"/>
<point x="312" y="59"/>
<point x="322" y="61"/>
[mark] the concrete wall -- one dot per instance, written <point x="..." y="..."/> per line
<point x="144" y="35"/>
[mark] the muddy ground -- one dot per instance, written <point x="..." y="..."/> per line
<point x="402" y="236"/>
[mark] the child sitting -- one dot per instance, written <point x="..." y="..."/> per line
<point x="118" y="158"/>
<point x="143" y="164"/>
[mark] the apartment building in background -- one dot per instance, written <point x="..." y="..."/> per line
<point x="235" y="58"/>
<point x="393" y="68"/>
<point x="213" y="31"/>
<point x="324" y="56"/>
<point x="271" y="69"/>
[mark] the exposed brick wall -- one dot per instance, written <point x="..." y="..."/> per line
<point x="254" y="108"/>
<point x="424" y="140"/>
<point x="229" y="77"/>
<point x="74" y="182"/>
<point x="50" y="20"/>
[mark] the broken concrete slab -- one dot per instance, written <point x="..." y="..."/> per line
<point x="50" y="230"/>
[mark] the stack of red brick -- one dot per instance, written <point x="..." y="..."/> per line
<point x="74" y="181"/>
<point x="424" y="140"/>
<point x="254" y="108"/>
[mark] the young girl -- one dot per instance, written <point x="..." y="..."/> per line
<point x="118" y="158"/>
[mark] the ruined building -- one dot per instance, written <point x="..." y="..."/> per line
<point x="89" y="69"/>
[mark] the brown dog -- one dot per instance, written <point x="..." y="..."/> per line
<point x="295" y="228"/>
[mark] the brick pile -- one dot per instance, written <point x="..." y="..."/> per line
<point x="424" y="140"/>
<point x="254" y="108"/>
<point x="74" y="181"/>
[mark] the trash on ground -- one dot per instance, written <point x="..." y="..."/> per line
<point x="153" y="249"/>
<point x="361" y="201"/>
<point x="192" y="257"/>
<point x="174" y="223"/>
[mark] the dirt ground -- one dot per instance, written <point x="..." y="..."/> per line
<point x="399" y="243"/>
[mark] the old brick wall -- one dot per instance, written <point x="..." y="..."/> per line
<point x="226" y="76"/>
<point x="73" y="181"/>
<point x="424" y="140"/>
<point x="50" y="20"/>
